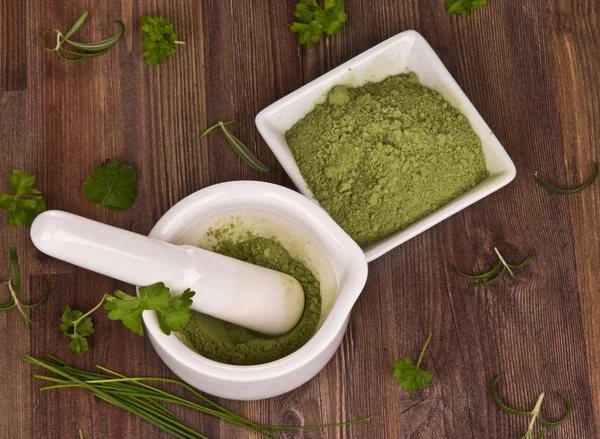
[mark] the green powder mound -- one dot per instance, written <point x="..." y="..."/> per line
<point x="232" y="344"/>
<point x="383" y="156"/>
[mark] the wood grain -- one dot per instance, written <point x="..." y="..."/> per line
<point x="531" y="70"/>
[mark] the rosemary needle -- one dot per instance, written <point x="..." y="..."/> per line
<point x="495" y="274"/>
<point x="558" y="191"/>
<point x="238" y="146"/>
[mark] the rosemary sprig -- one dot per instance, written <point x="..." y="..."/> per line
<point x="83" y="49"/>
<point x="538" y="415"/>
<point x="14" y="287"/>
<point x="149" y="403"/>
<point x="496" y="273"/>
<point x="238" y="146"/>
<point x="558" y="191"/>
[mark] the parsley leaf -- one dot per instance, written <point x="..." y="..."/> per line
<point x="26" y="203"/>
<point x="312" y="21"/>
<point x="172" y="312"/>
<point x="77" y="326"/>
<point x="159" y="39"/>
<point x="412" y="377"/>
<point x="112" y="185"/>
<point x="464" y="7"/>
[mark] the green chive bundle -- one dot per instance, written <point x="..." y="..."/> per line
<point x="148" y="402"/>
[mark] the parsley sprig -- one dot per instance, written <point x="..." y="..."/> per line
<point x="496" y="273"/>
<point x="464" y="7"/>
<point x="410" y="376"/>
<point x="26" y="203"/>
<point x="313" y="21"/>
<point x="172" y="312"/>
<point x="14" y="287"/>
<point x="160" y="39"/>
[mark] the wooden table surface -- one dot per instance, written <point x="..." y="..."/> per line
<point x="530" y="67"/>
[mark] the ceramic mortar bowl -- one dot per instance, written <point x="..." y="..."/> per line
<point x="278" y="377"/>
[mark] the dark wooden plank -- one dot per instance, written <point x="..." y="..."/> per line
<point x="530" y="70"/>
<point x="577" y="79"/>
<point x="13" y="61"/>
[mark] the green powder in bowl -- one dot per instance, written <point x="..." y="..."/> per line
<point x="384" y="155"/>
<point x="232" y="344"/>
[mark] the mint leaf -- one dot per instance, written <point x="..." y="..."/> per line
<point x="26" y="203"/>
<point x="112" y="185"/>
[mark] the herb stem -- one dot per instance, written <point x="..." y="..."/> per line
<point x="512" y="274"/>
<point x="534" y="415"/>
<point x="76" y="322"/>
<point x="28" y="322"/>
<point x="424" y="348"/>
<point x="179" y="42"/>
<point x="80" y="434"/>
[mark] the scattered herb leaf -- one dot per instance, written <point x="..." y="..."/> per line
<point x="410" y="376"/>
<point x="112" y="185"/>
<point x="137" y="396"/>
<point x="26" y="203"/>
<point x="78" y="326"/>
<point x="313" y="21"/>
<point x="238" y="146"/>
<point x="159" y="39"/>
<point x="172" y="312"/>
<point x="496" y="273"/>
<point x="80" y="434"/>
<point x="464" y="7"/>
<point x="512" y="411"/>
<point x="78" y="51"/>
<point x="14" y="287"/>
<point x="558" y="191"/>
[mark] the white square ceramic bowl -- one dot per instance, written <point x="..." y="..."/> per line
<point x="407" y="51"/>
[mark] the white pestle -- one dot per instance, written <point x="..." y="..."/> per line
<point x="257" y="298"/>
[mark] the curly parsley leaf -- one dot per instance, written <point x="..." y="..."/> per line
<point x="312" y="21"/>
<point x="77" y="326"/>
<point x="159" y="39"/>
<point x="112" y="185"/>
<point x="464" y="7"/>
<point x="172" y="312"/>
<point x="410" y="376"/>
<point x="26" y="203"/>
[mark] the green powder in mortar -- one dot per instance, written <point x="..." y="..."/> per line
<point x="382" y="156"/>
<point x="232" y="344"/>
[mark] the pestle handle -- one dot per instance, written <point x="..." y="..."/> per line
<point x="238" y="292"/>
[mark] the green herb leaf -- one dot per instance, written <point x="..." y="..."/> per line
<point x="172" y="312"/>
<point x="14" y="287"/>
<point x="159" y="39"/>
<point x="464" y="7"/>
<point x="112" y="185"/>
<point x="26" y="203"/>
<point x="495" y="274"/>
<point x="137" y="396"/>
<point x="312" y="21"/>
<point x="85" y="49"/>
<point x="238" y="146"/>
<point x="77" y="326"/>
<point x="410" y="376"/>
<point x="512" y="411"/>
<point x="558" y="191"/>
